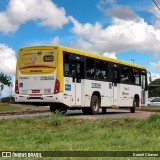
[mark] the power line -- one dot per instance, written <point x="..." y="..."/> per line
<point x="156" y="4"/>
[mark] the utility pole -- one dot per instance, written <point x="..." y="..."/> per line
<point x="133" y="60"/>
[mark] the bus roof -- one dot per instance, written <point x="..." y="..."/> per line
<point x="84" y="53"/>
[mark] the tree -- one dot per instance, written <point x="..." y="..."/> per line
<point x="5" y="80"/>
<point x="154" y="88"/>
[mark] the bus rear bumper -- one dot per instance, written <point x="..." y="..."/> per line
<point x="55" y="98"/>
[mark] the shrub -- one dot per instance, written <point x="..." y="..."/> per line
<point x="8" y="100"/>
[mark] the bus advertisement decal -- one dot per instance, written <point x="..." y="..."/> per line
<point x="67" y="87"/>
<point x="48" y="58"/>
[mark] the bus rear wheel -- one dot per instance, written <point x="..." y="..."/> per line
<point x="58" y="109"/>
<point x="95" y="104"/>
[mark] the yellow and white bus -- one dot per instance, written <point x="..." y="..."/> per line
<point x="66" y="78"/>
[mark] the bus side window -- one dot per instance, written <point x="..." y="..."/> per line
<point x="143" y="81"/>
<point x="80" y="71"/>
<point x="115" y="76"/>
<point x="125" y="74"/>
<point x="90" y="68"/>
<point x="66" y="64"/>
<point x="101" y="70"/>
<point x="135" y="77"/>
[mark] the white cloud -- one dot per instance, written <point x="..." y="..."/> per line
<point x="155" y="65"/>
<point x="103" y="4"/>
<point x="110" y="55"/>
<point x="45" y="12"/>
<point x="155" y="11"/>
<point x="121" y="12"/>
<point x="55" y="41"/>
<point x="7" y="60"/>
<point x="155" y="76"/>
<point x="121" y="35"/>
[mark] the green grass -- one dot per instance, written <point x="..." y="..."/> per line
<point x="8" y="107"/>
<point x="60" y="133"/>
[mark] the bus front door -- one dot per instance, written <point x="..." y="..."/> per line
<point x="115" y="80"/>
<point x="77" y="71"/>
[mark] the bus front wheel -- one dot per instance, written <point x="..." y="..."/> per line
<point x="58" y="109"/>
<point x="95" y="104"/>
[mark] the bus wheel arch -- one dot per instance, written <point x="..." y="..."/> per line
<point x="95" y="102"/>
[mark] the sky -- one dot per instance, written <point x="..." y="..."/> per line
<point x="128" y="30"/>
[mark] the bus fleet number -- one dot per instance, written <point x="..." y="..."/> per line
<point x="47" y="78"/>
<point x="96" y="85"/>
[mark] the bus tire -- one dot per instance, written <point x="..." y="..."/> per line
<point x="58" y="109"/>
<point x="95" y="104"/>
<point x="133" y="108"/>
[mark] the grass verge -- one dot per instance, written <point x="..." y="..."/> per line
<point x="21" y="109"/>
<point x="8" y="107"/>
<point x="60" y="133"/>
<point x="150" y="108"/>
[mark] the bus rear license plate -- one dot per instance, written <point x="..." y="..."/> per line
<point x="35" y="91"/>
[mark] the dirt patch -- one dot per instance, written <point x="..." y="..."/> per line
<point x="30" y="109"/>
<point x="157" y="110"/>
<point x="25" y="109"/>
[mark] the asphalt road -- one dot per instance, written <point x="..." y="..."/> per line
<point x="111" y="113"/>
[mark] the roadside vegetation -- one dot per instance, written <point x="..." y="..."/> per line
<point x="60" y="133"/>
<point x="150" y="108"/>
<point x="7" y="107"/>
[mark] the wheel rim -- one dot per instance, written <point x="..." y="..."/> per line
<point x="95" y="105"/>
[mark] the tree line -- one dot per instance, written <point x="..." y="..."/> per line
<point x="5" y="80"/>
<point x="154" y="88"/>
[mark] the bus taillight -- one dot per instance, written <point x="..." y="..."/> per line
<point x="57" y="87"/>
<point x="16" y="87"/>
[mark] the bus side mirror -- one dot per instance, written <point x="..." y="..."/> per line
<point x="150" y="79"/>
